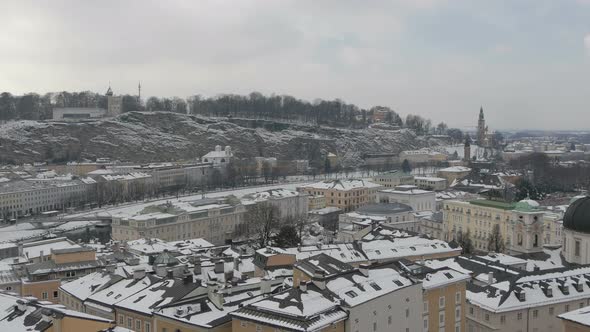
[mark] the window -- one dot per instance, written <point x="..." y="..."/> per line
<point x="258" y="328"/>
<point x="502" y="319"/>
<point x="351" y="294"/>
<point x="164" y="329"/>
<point x="487" y="317"/>
<point x="581" y="305"/>
<point x="551" y="310"/>
<point x="130" y="322"/>
<point x="70" y="274"/>
<point x="121" y="320"/>
<point x="44" y="295"/>
<point x="147" y="327"/>
<point x="535" y="313"/>
<point x="471" y="310"/>
<point x="425" y="306"/>
<point x="374" y="326"/>
<point x="458" y="327"/>
<point x="55" y="294"/>
<point x="567" y="307"/>
<point x="441" y="318"/>
<point x="458" y="298"/>
<point x="425" y="324"/>
<point x="577" y="248"/>
<point x="137" y="325"/>
<point x="441" y="302"/>
<point x="389" y="320"/>
<point x="519" y="316"/>
<point x="407" y="312"/>
<point x="243" y="324"/>
<point x="457" y="313"/>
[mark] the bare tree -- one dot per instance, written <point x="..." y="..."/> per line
<point x="495" y="240"/>
<point x="261" y="220"/>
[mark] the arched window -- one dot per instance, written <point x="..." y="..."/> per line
<point x="536" y="242"/>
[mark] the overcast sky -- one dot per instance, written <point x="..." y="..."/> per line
<point x="527" y="61"/>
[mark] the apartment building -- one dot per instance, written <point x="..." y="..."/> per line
<point x="576" y="320"/>
<point x="418" y="199"/>
<point x="316" y="202"/>
<point x="519" y="224"/>
<point x="393" y="179"/>
<point x="42" y="279"/>
<point x="531" y="302"/>
<point x="422" y="156"/>
<point x="453" y="173"/>
<point x="371" y="298"/>
<point x="168" y="176"/>
<point x="28" y="314"/>
<point x="443" y="295"/>
<point x="430" y="183"/>
<point x="432" y="225"/>
<point x="29" y="196"/>
<point x="289" y="204"/>
<point x="211" y="219"/>
<point x="346" y="194"/>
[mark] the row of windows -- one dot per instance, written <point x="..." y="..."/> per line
<point x="535" y="312"/>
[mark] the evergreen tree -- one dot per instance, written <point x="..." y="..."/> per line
<point x="287" y="237"/>
<point x="406" y="167"/>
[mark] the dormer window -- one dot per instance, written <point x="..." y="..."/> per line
<point x="565" y="290"/>
<point x="549" y="292"/>
<point x="580" y="287"/>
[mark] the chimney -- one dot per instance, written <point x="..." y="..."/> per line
<point x="229" y="289"/>
<point x="197" y="267"/>
<point x="178" y="271"/>
<point x="319" y="279"/>
<point x="41" y="255"/>
<point x="139" y="273"/>
<point x="303" y="286"/>
<point x="490" y="277"/>
<point x="219" y="266"/>
<point x="188" y="278"/>
<point x="364" y="269"/>
<point x="161" y="270"/>
<point x="46" y="315"/>
<point x="215" y="296"/>
<point x="229" y="275"/>
<point x="265" y="284"/>
<point x="110" y="268"/>
<point x="21" y="305"/>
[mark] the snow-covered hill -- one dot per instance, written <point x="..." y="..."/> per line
<point x="142" y="137"/>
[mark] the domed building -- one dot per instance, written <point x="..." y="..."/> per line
<point x="576" y="232"/>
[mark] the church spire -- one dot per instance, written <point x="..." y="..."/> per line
<point x="481" y="112"/>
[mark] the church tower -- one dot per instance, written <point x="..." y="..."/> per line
<point x="481" y="127"/>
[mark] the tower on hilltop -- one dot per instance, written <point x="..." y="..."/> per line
<point x="114" y="103"/>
